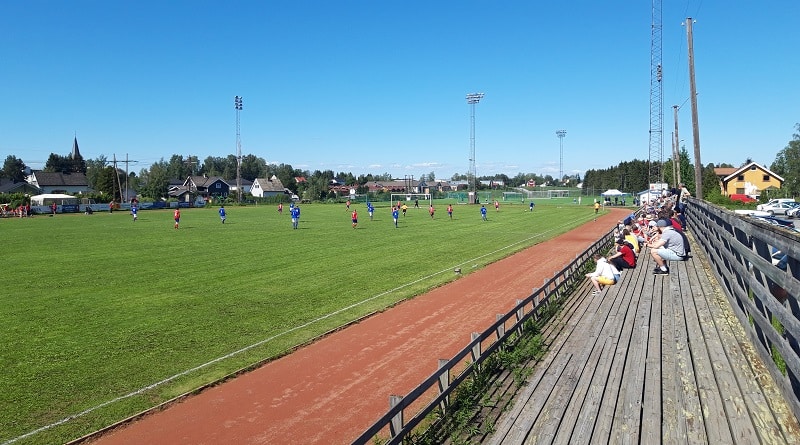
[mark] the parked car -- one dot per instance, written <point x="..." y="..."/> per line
<point x="778" y="208"/>
<point x="775" y="221"/>
<point x="775" y="201"/>
<point x="794" y="212"/>
<point x="746" y="199"/>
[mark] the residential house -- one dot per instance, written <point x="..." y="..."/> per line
<point x="207" y="186"/>
<point x="247" y="186"/>
<point x="460" y="184"/>
<point x="443" y="186"/>
<point x="387" y="186"/>
<point x="339" y="187"/>
<point x="749" y="179"/>
<point x="58" y="182"/>
<point x="9" y="186"/>
<point x="263" y="187"/>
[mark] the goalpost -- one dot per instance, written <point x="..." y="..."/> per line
<point x="410" y="198"/>
<point x="513" y="196"/>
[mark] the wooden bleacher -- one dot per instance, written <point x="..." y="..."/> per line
<point x="653" y="359"/>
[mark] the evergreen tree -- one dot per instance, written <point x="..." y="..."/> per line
<point x="787" y="165"/>
<point x="13" y="169"/>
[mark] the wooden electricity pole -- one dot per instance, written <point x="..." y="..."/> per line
<point x="676" y="151"/>
<point x="698" y="166"/>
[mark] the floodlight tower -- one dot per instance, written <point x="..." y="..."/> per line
<point x="472" y="100"/>
<point x="561" y="134"/>
<point x="237" y="104"/>
<point x="656" y="153"/>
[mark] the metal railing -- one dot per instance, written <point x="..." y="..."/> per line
<point x="470" y="358"/>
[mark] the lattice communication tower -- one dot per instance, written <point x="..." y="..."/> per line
<point x="656" y="156"/>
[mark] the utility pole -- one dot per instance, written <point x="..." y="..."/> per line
<point x="698" y="166"/>
<point x="676" y="150"/>
<point x="116" y="177"/>
<point x="127" y="161"/>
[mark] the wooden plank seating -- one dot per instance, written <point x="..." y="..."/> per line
<point x="653" y="359"/>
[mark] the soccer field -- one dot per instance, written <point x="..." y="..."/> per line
<point x="104" y="317"/>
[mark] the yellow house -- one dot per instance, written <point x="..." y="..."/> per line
<point x="749" y="179"/>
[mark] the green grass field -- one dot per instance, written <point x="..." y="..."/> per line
<point x="103" y="317"/>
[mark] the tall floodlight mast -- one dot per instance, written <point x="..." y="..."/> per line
<point x="237" y="104"/>
<point x="656" y="157"/>
<point x="561" y="134"/>
<point x="472" y="99"/>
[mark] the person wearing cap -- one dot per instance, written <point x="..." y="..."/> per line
<point x="669" y="247"/>
<point x="651" y="233"/>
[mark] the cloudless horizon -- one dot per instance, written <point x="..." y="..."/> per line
<point x="379" y="87"/>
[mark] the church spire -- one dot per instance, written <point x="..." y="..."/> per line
<point x="75" y="151"/>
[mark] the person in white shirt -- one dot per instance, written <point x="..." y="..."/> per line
<point x="604" y="274"/>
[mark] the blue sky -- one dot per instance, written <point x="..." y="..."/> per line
<point x="379" y="86"/>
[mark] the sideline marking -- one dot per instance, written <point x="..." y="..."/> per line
<point x="266" y="340"/>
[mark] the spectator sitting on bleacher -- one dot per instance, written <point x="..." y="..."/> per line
<point x="638" y="231"/>
<point x="652" y="234"/>
<point x="624" y="258"/>
<point x="675" y="221"/>
<point x="678" y="216"/>
<point x="604" y="274"/>
<point x="631" y="238"/>
<point x="669" y="247"/>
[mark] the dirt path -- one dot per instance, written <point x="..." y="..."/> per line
<point x="332" y="390"/>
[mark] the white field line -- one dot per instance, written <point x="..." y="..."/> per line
<point x="254" y="345"/>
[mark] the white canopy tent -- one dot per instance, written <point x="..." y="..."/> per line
<point x="49" y="198"/>
<point x="613" y="192"/>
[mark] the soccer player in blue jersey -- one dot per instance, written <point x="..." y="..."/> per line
<point x="134" y="212"/>
<point x="295" y="216"/>
<point x="222" y="214"/>
<point x="395" y="215"/>
<point x="483" y="212"/>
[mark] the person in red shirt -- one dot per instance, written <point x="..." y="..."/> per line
<point x="177" y="216"/>
<point x="624" y="258"/>
<point x="354" y="217"/>
<point x="431" y="210"/>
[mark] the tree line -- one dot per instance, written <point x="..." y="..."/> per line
<point x="105" y="176"/>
